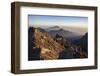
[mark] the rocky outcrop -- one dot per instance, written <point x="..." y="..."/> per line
<point x="50" y="49"/>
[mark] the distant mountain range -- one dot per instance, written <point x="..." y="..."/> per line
<point x="53" y="28"/>
<point x="64" y="33"/>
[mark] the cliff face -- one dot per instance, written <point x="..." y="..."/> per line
<point x="50" y="49"/>
<point x="84" y="42"/>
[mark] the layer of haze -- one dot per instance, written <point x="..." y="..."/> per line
<point x="71" y="23"/>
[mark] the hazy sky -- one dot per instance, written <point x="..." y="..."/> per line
<point x="49" y="21"/>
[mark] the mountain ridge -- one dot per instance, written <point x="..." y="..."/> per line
<point x="44" y="47"/>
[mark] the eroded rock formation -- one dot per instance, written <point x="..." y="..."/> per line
<point x="50" y="49"/>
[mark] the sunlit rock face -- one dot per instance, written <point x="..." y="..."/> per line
<point x="50" y="49"/>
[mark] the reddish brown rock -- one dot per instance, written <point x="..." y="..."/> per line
<point x="50" y="49"/>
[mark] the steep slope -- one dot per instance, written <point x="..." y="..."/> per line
<point x="83" y="42"/>
<point x="49" y="49"/>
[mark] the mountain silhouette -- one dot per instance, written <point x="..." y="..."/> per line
<point x="53" y="28"/>
<point x="83" y="42"/>
<point x="65" y="33"/>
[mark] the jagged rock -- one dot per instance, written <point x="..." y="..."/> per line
<point x="50" y="49"/>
